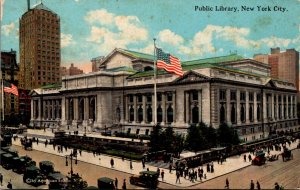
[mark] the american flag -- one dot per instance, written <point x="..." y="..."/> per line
<point x="168" y="62"/>
<point x="10" y="88"/>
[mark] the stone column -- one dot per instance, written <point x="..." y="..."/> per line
<point x="86" y="114"/>
<point x="255" y="107"/>
<point x="264" y="99"/>
<point x="200" y="105"/>
<point x="247" y="106"/>
<point x="282" y="107"/>
<point x="228" y="107"/>
<point x="272" y="106"/>
<point x="174" y="106"/>
<point x="187" y="107"/>
<point x="135" y="108"/>
<point x="40" y="109"/>
<point x="75" y="108"/>
<point x="238" y="107"/>
<point x="144" y="99"/>
<point x="180" y="108"/>
<point x="153" y="109"/>
<point x="63" y="111"/>
<point x="163" y="106"/>
<point x="287" y="106"/>
<point x="126" y="109"/>
<point x="32" y="109"/>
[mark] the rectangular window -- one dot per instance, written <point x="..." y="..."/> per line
<point x="131" y="98"/>
<point x="140" y="98"/>
<point x="251" y="96"/>
<point x="195" y="95"/>
<point x="159" y="97"/>
<point x="169" y="97"/>
<point x="137" y="131"/>
<point x="223" y="95"/>
<point x="147" y="132"/>
<point x="233" y="95"/>
<point x="258" y="97"/>
<point x="243" y="96"/>
<point x="149" y="98"/>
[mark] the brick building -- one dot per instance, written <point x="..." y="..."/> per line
<point x="39" y="47"/>
<point x="72" y="70"/>
<point x="284" y="65"/>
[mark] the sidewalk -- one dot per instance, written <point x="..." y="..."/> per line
<point x="232" y="163"/>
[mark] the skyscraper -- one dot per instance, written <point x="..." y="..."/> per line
<point x="284" y="65"/>
<point x="39" y="47"/>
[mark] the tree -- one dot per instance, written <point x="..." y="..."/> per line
<point x="178" y="144"/>
<point x="156" y="139"/>
<point x="194" y="140"/>
<point x="227" y="135"/>
<point x="168" y="139"/>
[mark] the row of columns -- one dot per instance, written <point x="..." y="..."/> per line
<point x="46" y="109"/>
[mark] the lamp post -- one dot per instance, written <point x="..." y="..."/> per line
<point x="71" y="157"/>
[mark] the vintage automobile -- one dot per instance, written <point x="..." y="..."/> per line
<point x="46" y="167"/>
<point x="106" y="183"/>
<point x="57" y="181"/>
<point x="7" y="161"/>
<point x="20" y="164"/>
<point x="259" y="158"/>
<point x="146" y="178"/>
<point x="33" y="176"/>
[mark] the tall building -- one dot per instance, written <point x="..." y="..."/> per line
<point x="10" y="69"/>
<point x="284" y="65"/>
<point x="72" y="70"/>
<point x="39" y="47"/>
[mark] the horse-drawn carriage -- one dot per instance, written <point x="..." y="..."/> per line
<point x="259" y="158"/>
<point x="287" y="155"/>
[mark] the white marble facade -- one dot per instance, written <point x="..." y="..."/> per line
<point x="118" y="99"/>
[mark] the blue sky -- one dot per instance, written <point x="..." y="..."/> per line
<point x="91" y="28"/>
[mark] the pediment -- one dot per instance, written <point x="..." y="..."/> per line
<point x="191" y="76"/>
<point x="271" y="84"/>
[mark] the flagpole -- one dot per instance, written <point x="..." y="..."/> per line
<point x="2" y="98"/>
<point x="155" y="94"/>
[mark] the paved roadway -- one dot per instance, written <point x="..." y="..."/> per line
<point x="286" y="174"/>
<point x="89" y="172"/>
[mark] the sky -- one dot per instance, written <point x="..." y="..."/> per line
<point x="91" y="28"/>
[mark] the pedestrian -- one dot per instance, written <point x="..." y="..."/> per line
<point x="124" y="185"/>
<point x="158" y="171"/>
<point x="162" y="175"/>
<point x="143" y="163"/>
<point x="245" y="158"/>
<point x="37" y="141"/>
<point x="252" y="185"/>
<point x="257" y="185"/>
<point x="212" y="169"/>
<point x="9" y="185"/>
<point x="177" y="176"/>
<point x="116" y="183"/>
<point x="131" y="167"/>
<point x="148" y="169"/>
<point x="170" y="168"/>
<point x="277" y="187"/>
<point x="249" y="157"/>
<point x="227" y="184"/>
<point x="46" y="143"/>
<point x="1" y="179"/>
<point x="207" y="167"/>
<point x="112" y="162"/>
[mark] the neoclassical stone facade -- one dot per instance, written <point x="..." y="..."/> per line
<point x="120" y="97"/>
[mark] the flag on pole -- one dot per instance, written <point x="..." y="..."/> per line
<point x="10" y="88"/>
<point x="168" y="62"/>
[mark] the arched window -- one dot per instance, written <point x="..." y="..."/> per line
<point x="195" y="114"/>
<point x="149" y="114"/>
<point x="251" y="113"/>
<point x="233" y="113"/>
<point x="140" y="114"/>
<point x="81" y="109"/>
<point x="131" y="114"/>
<point x="92" y="111"/>
<point x="71" y="111"/>
<point x="118" y="114"/>
<point x="258" y="113"/>
<point x="159" y="114"/>
<point x="222" y="113"/>
<point x="243" y="113"/>
<point x="170" y="114"/>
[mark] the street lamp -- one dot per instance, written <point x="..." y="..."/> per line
<point x="71" y="157"/>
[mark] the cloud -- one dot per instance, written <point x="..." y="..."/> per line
<point x="149" y="49"/>
<point x="99" y="16"/>
<point x="8" y="29"/>
<point x="169" y="37"/>
<point x="109" y="31"/>
<point x="1" y="8"/>
<point x="76" y="0"/>
<point x="67" y="40"/>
